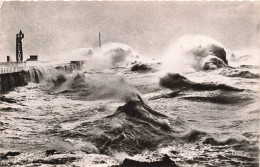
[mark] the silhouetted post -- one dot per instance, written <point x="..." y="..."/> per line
<point x="99" y="39"/>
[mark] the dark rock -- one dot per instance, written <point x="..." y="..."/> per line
<point x="56" y="161"/>
<point x="8" y="100"/>
<point x="141" y="68"/>
<point x="10" y="153"/>
<point x="165" y="162"/>
<point x="174" y="152"/>
<point x="50" y="152"/>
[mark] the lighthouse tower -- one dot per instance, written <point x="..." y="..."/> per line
<point x="19" y="47"/>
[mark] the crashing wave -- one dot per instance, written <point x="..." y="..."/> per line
<point x="175" y="81"/>
<point x="209" y="57"/>
<point x="133" y="128"/>
<point x="139" y="110"/>
<point x="113" y="55"/>
<point x="197" y="51"/>
<point x="118" y="53"/>
<point x="78" y="86"/>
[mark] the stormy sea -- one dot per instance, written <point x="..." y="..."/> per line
<point x="196" y="104"/>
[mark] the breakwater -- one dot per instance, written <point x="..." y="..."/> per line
<point x="10" y="80"/>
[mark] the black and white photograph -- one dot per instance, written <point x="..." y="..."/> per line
<point x="129" y="83"/>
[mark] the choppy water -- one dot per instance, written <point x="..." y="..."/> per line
<point x="78" y="122"/>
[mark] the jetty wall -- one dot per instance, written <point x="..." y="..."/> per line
<point x="11" y="79"/>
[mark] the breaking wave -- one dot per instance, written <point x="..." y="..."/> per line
<point x="175" y="81"/>
<point x="113" y="55"/>
<point x="117" y="53"/>
<point x="90" y="87"/>
<point x="196" y="51"/>
<point x="133" y="128"/>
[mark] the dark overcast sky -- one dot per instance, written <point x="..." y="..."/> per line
<point x="148" y="27"/>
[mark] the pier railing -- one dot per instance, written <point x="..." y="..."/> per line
<point x="10" y="70"/>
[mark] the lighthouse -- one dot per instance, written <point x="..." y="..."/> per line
<point x="19" y="47"/>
